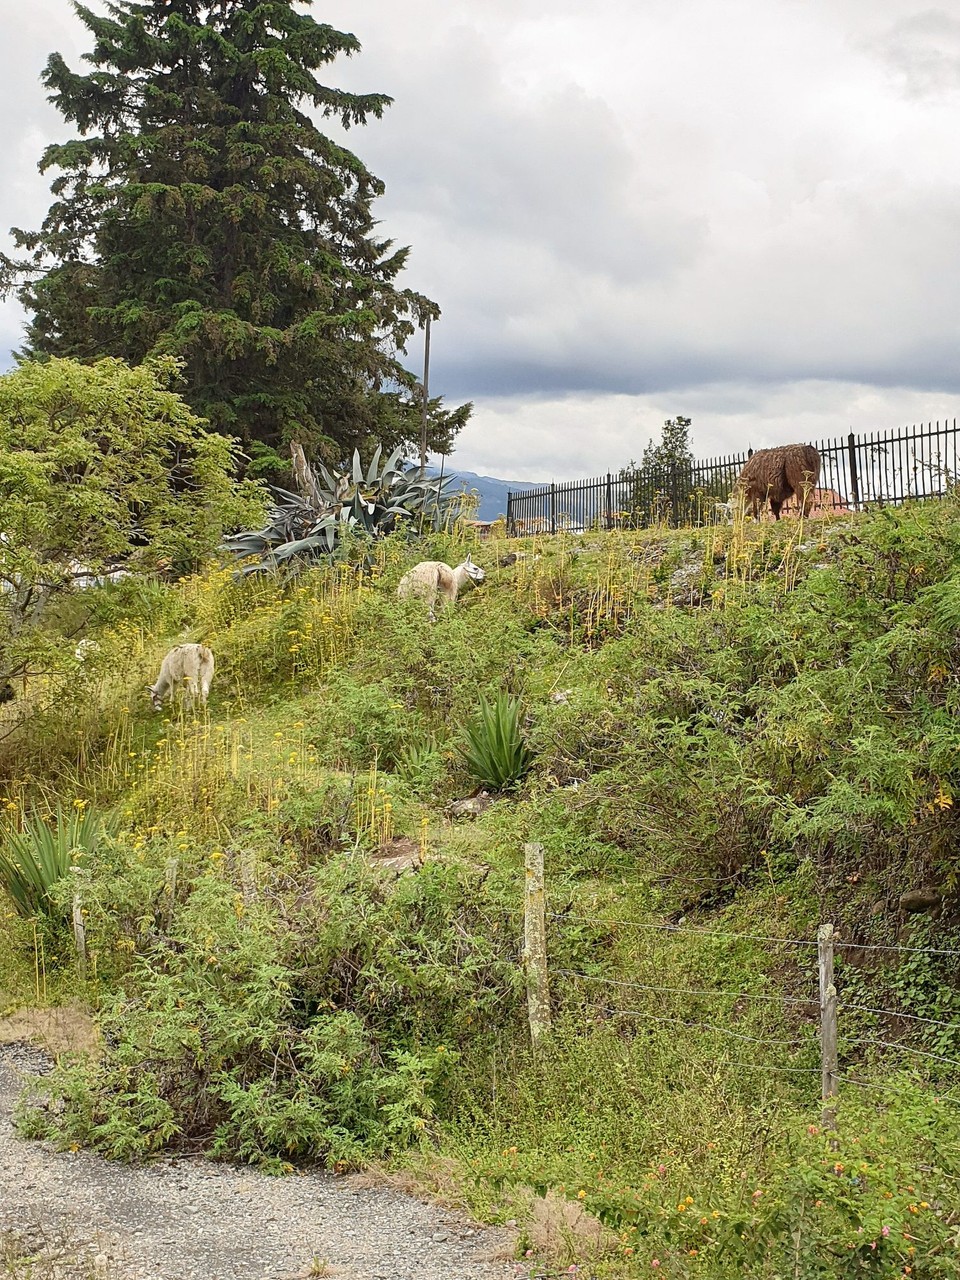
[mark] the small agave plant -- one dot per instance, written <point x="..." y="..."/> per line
<point x="307" y="526"/>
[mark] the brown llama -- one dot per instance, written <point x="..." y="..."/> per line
<point x="778" y="474"/>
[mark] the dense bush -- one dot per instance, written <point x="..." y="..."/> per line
<point x="317" y="1020"/>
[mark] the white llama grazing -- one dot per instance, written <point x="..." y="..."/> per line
<point x="188" y="668"/>
<point x="432" y="578"/>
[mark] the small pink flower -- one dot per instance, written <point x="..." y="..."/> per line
<point x="661" y="1168"/>
<point x="655" y="1262"/>
<point x="884" y="1231"/>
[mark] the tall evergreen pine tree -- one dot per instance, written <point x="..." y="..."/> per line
<point x="203" y="213"/>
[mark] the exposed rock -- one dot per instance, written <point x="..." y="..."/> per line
<point x="471" y="807"/>
<point x="925" y="899"/>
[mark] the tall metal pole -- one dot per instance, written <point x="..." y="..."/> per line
<point x="426" y="399"/>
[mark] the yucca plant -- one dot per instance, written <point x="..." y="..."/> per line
<point x="309" y="525"/>
<point x="494" y="750"/>
<point x="34" y="859"/>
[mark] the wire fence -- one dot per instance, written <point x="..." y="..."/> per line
<point x="608" y="997"/>
<point x="856" y="472"/>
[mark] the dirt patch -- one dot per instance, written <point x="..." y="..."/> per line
<point x="399" y="854"/>
<point x="70" y="1029"/>
<point x="563" y="1231"/>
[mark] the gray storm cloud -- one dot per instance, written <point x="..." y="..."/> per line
<point x="628" y="211"/>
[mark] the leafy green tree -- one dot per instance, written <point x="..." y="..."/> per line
<point x="102" y="468"/>
<point x="673" y="451"/>
<point x="202" y="213"/>
<point x="661" y="484"/>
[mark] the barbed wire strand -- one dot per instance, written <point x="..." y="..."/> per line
<point x="898" y="1013"/>
<point x="889" y="1088"/>
<point x="706" y="1026"/>
<point x="765" y="1066"/>
<point x="753" y="995"/>
<point x="903" y="1048"/>
<point x="687" y="991"/>
<point x="752" y="937"/>
<point x="681" y="928"/>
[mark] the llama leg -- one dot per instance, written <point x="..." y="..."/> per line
<point x="775" y="508"/>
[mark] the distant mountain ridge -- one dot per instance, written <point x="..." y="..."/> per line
<point x="493" y="492"/>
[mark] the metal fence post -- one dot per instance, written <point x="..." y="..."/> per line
<point x="609" y="500"/>
<point x="553" y="508"/>
<point x="854" y="478"/>
<point x="509" y="514"/>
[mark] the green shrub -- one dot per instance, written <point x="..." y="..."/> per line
<point x="315" y="1021"/>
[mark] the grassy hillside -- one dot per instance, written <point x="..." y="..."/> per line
<point x="736" y="734"/>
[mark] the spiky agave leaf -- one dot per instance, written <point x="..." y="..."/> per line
<point x="302" y="529"/>
<point x="33" y="860"/>
<point x="494" y="750"/>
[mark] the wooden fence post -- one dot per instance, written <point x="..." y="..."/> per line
<point x="828" y="1025"/>
<point x="79" y="935"/>
<point x="535" y="944"/>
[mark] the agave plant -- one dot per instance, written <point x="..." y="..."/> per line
<point x="308" y="525"/>
<point x="34" y="859"/>
<point x="494" y="750"/>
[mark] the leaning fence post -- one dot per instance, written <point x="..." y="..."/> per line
<point x="828" y="1025"/>
<point x="553" y="508"/>
<point x="609" y="500"/>
<point x="509" y="514"/>
<point x="79" y="936"/>
<point x="535" y="943"/>
<point x="854" y="478"/>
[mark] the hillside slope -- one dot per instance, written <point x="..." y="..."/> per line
<point x="737" y="734"/>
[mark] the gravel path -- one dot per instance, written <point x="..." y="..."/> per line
<point x="194" y="1220"/>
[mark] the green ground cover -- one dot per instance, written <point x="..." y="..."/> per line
<point x="728" y="736"/>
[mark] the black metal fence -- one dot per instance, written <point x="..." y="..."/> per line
<point x="881" y="468"/>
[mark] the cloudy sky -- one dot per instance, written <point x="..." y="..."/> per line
<point x="745" y="212"/>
